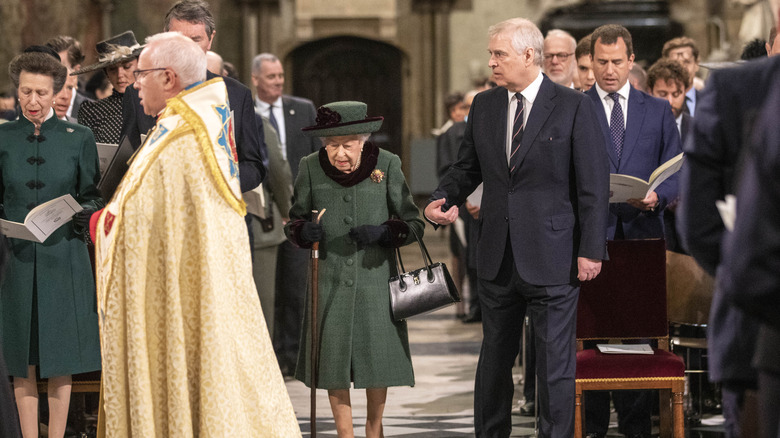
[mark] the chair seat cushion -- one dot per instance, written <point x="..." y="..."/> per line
<point x="593" y="364"/>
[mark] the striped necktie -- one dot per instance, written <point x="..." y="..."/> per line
<point x="517" y="133"/>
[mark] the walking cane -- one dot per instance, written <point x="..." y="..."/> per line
<point x="315" y="354"/>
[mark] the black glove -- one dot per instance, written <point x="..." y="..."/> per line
<point x="311" y="232"/>
<point x="81" y="220"/>
<point x="369" y="234"/>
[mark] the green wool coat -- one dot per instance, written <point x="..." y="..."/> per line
<point x="359" y="341"/>
<point x="31" y="173"/>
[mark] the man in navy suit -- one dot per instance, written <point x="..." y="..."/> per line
<point x="642" y="135"/>
<point x="724" y="123"/>
<point x="194" y="20"/>
<point x="538" y="150"/>
<point x="751" y="255"/>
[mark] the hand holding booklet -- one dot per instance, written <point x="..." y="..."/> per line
<point x="625" y="187"/>
<point x="625" y="348"/>
<point x="42" y="220"/>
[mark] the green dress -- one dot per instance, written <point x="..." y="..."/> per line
<point x="359" y="340"/>
<point x="63" y="159"/>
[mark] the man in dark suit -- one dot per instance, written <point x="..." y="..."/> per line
<point x="194" y="20"/>
<point x="287" y="114"/>
<point x="71" y="57"/>
<point x="722" y="129"/>
<point x="538" y="150"/>
<point x="751" y="256"/>
<point x="642" y="135"/>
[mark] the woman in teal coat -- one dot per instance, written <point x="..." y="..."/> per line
<point x="47" y="295"/>
<point x="369" y="212"/>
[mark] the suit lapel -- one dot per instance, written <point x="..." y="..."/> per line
<point x="540" y="111"/>
<point x="636" y="117"/>
<point x="288" y="123"/>
<point x="601" y="115"/>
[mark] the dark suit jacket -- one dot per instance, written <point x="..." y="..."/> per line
<point x="651" y="139"/>
<point x="80" y="98"/>
<point x="722" y="129"/>
<point x="751" y="257"/>
<point x="298" y="113"/>
<point x="447" y="145"/>
<point x="553" y="207"/>
<point x="249" y="136"/>
<point x="725" y="115"/>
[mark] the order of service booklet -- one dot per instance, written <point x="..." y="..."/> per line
<point x="625" y="187"/>
<point x="625" y="348"/>
<point x="42" y="220"/>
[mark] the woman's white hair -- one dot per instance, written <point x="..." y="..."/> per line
<point x="180" y="54"/>
<point x="523" y="34"/>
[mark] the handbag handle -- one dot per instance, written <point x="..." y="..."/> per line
<point x="399" y="265"/>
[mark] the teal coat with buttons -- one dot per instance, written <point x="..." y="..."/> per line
<point x="359" y="340"/>
<point x="33" y="170"/>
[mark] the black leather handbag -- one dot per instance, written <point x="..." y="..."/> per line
<point x="423" y="290"/>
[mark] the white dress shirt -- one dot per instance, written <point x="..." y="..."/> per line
<point x="608" y="103"/>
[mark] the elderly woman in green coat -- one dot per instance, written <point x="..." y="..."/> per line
<point x="369" y="212"/>
<point x="47" y="295"/>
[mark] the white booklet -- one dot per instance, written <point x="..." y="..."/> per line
<point x="625" y="348"/>
<point x="625" y="187"/>
<point x="42" y="220"/>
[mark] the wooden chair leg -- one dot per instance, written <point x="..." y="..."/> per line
<point x="679" y="418"/>
<point x="579" y="413"/>
<point x="665" y="412"/>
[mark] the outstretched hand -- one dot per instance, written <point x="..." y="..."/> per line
<point x="433" y="213"/>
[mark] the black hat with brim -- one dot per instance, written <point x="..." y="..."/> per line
<point x="343" y="118"/>
<point x="115" y="50"/>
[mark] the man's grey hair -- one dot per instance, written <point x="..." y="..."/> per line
<point x="523" y="33"/>
<point x="258" y="61"/>
<point x="180" y="54"/>
<point x="559" y="33"/>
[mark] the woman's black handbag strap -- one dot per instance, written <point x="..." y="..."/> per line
<point x="399" y="264"/>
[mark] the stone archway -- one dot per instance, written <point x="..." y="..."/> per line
<point x="351" y="68"/>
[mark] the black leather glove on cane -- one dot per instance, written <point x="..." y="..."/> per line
<point x="311" y="232"/>
<point x="369" y="234"/>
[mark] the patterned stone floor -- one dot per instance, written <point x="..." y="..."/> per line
<point x="444" y="353"/>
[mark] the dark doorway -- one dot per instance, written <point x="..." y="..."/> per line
<point x="349" y="68"/>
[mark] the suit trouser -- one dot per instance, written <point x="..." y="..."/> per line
<point x="292" y="264"/>
<point x="552" y="310"/>
<point x="264" y="273"/>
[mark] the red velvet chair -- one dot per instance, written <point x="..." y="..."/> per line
<point x="628" y="301"/>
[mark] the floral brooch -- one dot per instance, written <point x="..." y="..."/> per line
<point x="377" y="176"/>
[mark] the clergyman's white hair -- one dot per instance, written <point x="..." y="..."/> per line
<point x="180" y="54"/>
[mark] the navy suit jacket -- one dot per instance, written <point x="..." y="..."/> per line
<point x="553" y="207"/>
<point x="723" y="127"/>
<point x="650" y="140"/>
<point x="249" y="136"/>
<point x="751" y="254"/>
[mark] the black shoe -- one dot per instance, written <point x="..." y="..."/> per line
<point x="528" y="409"/>
<point x="472" y="318"/>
